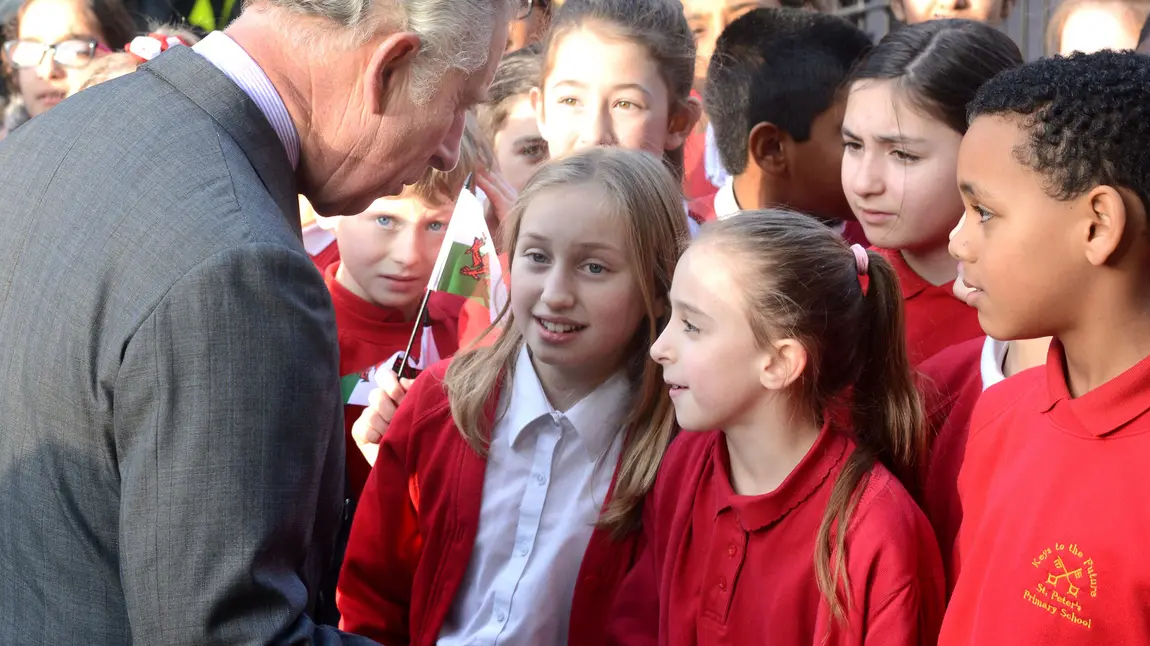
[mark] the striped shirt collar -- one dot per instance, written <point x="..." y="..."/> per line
<point x="237" y="65"/>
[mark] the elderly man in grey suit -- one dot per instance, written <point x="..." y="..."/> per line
<point x="171" y="436"/>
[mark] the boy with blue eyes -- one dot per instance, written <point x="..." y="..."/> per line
<point x="386" y="257"/>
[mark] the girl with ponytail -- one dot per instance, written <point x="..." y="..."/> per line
<point x="792" y="523"/>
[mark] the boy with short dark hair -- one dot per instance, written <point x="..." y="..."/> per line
<point x="1055" y="174"/>
<point x="775" y="97"/>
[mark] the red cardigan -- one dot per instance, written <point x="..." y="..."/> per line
<point x="415" y="527"/>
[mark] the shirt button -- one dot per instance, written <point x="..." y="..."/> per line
<point x="523" y="551"/>
<point x="539" y="478"/>
<point x="501" y="617"/>
<point x="732" y="550"/>
<point x="723" y="584"/>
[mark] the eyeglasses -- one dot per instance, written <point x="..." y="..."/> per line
<point x="69" y="53"/>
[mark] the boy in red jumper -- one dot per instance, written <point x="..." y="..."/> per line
<point x="377" y="284"/>
<point x="775" y="98"/>
<point x="1055" y="174"/>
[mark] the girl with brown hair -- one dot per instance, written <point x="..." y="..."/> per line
<point x="782" y="511"/>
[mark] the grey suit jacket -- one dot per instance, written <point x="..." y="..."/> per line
<point x="171" y="434"/>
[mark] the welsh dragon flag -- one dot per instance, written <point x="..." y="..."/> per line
<point x="467" y="266"/>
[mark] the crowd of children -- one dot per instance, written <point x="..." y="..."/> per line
<point x="873" y="371"/>
<point x="760" y="430"/>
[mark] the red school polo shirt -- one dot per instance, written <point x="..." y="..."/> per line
<point x="951" y="385"/>
<point x="935" y="319"/>
<point x="731" y="569"/>
<point x="1056" y="514"/>
<point x="369" y="335"/>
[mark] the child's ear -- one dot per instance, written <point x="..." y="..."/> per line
<point x="682" y="122"/>
<point x="1106" y="224"/>
<point x="537" y="105"/>
<point x="767" y="148"/>
<point x="783" y="365"/>
<point x="389" y="70"/>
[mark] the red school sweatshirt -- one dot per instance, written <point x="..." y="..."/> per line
<point x="951" y="387"/>
<point x="935" y="319"/>
<point x="721" y="568"/>
<point x="369" y="335"/>
<point x="1055" y="516"/>
<point x="415" y="528"/>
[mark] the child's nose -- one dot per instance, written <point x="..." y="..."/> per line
<point x="959" y="246"/>
<point x="598" y="129"/>
<point x="867" y="177"/>
<point x="660" y="349"/>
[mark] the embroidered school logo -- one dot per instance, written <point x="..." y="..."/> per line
<point x="1068" y="581"/>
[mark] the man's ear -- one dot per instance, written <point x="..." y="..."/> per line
<point x="389" y="70"/>
<point x="682" y="123"/>
<point x="768" y="147"/>
<point x="1106" y="224"/>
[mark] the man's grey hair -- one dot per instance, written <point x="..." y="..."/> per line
<point x="454" y="34"/>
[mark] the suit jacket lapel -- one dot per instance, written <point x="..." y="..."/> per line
<point x="196" y="78"/>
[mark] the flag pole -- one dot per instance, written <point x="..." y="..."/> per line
<point x="415" y="333"/>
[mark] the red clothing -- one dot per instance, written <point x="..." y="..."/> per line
<point x="853" y="233"/>
<point x="730" y="569"/>
<point x="695" y="180"/>
<point x="369" y="335"/>
<point x="326" y="258"/>
<point x="1055" y="515"/>
<point x="703" y="208"/>
<point x="952" y="386"/>
<point x="415" y="528"/>
<point x="935" y="319"/>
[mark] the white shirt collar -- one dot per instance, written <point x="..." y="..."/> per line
<point x="242" y="69"/>
<point x="993" y="361"/>
<point x="597" y="418"/>
<point x="725" y="203"/>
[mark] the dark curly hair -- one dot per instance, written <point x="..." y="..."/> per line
<point x="1087" y="116"/>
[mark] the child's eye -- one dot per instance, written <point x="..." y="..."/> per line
<point x="624" y="104"/>
<point x="596" y="268"/>
<point x="535" y="151"/>
<point x="536" y="257"/>
<point x="568" y="100"/>
<point x="852" y="146"/>
<point x="687" y="327"/>
<point x="436" y="227"/>
<point x="983" y="214"/>
<point x="904" y="156"/>
<point x="385" y="221"/>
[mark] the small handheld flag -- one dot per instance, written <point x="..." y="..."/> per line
<point x="467" y="266"/>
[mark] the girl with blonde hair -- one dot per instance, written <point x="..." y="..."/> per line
<point x="505" y="499"/>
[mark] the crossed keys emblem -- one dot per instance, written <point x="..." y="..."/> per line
<point x="1053" y="579"/>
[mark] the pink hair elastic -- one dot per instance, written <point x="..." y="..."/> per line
<point x="862" y="261"/>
